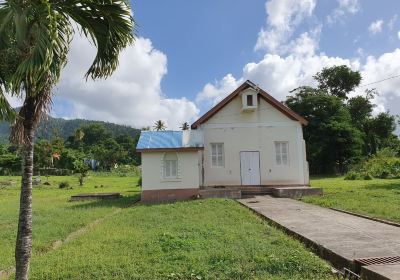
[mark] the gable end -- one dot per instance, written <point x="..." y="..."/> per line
<point x="263" y="94"/>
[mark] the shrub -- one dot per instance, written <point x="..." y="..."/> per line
<point x="352" y="175"/>
<point x="64" y="185"/>
<point x="139" y="183"/>
<point x="121" y="171"/>
<point x="385" y="164"/>
<point x="367" y="176"/>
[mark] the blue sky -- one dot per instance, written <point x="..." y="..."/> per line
<point x="190" y="54"/>
<point x="203" y="39"/>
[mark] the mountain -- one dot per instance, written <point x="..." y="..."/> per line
<point x="65" y="128"/>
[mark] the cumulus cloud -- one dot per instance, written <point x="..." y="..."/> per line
<point x="283" y="16"/>
<point x="132" y="95"/>
<point x="375" y="26"/>
<point x="380" y="68"/>
<point x="280" y="74"/>
<point x="298" y="59"/>
<point x="346" y="7"/>
<point x="277" y="74"/>
<point x="211" y="94"/>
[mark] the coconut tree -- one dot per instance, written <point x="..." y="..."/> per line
<point x="159" y="125"/>
<point x="185" y="126"/>
<point x="34" y="41"/>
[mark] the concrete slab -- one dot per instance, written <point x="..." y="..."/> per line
<point x="338" y="237"/>
<point x="381" y="272"/>
<point x="86" y="196"/>
<point x="295" y="192"/>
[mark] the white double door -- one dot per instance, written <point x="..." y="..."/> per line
<point x="250" y="168"/>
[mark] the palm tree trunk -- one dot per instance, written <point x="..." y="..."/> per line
<point x="23" y="248"/>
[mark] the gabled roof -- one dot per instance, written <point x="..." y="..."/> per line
<point x="162" y="141"/>
<point x="263" y="94"/>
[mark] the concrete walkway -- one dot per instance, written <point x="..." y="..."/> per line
<point x="338" y="237"/>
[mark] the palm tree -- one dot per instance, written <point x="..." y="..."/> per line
<point x="185" y="126"/>
<point x="159" y="125"/>
<point x="34" y="42"/>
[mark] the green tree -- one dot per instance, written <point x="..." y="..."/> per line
<point x="10" y="160"/>
<point x="68" y="157"/>
<point x="185" y="126"/>
<point x="82" y="169"/>
<point x="34" y="43"/>
<point x="108" y="153"/>
<point x="338" y="80"/>
<point x="378" y="130"/>
<point x="128" y="144"/>
<point x="94" y="134"/>
<point x="159" y="125"/>
<point x="332" y="140"/>
<point x="360" y="108"/>
<point x="43" y="155"/>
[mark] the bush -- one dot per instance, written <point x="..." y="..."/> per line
<point x="367" y="176"/>
<point x="384" y="165"/>
<point x="139" y="183"/>
<point x="122" y="171"/>
<point x="64" y="185"/>
<point x="352" y="175"/>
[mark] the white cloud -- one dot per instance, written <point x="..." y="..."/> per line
<point x="346" y="7"/>
<point x="282" y="18"/>
<point x="376" y="26"/>
<point x="278" y="75"/>
<point x="380" y="68"/>
<point x="291" y="63"/>
<point x="213" y="93"/>
<point x="306" y="44"/>
<point x="132" y="95"/>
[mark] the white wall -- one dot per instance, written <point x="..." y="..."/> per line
<point x="152" y="171"/>
<point x="253" y="131"/>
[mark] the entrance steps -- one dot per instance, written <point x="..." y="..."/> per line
<point x="235" y="192"/>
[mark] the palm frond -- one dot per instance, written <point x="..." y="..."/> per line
<point x="7" y="113"/>
<point x="108" y="23"/>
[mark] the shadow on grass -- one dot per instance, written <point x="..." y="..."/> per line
<point x="122" y="202"/>
<point x="395" y="185"/>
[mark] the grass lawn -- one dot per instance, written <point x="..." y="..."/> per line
<point x="378" y="198"/>
<point x="53" y="216"/>
<point x="202" y="239"/>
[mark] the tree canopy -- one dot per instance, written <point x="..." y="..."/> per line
<point x="341" y="130"/>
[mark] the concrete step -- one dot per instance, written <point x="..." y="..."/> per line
<point x="220" y="193"/>
<point x="295" y="192"/>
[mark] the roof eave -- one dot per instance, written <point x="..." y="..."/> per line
<point x="180" y="149"/>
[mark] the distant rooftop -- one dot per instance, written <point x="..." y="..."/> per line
<point x="168" y="140"/>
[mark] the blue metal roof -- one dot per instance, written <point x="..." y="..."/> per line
<point x="160" y="139"/>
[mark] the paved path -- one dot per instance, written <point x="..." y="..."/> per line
<point x="336" y="236"/>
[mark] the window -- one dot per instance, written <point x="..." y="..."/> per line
<point x="249" y="100"/>
<point x="170" y="166"/>
<point x="282" y="151"/>
<point x="217" y="155"/>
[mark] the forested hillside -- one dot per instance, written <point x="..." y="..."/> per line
<point x="58" y="127"/>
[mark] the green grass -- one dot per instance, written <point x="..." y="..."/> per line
<point x="54" y="217"/>
<point x="202" y="239"/>
<point x="378" y="198"/>
<point x="209" y="239"/>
